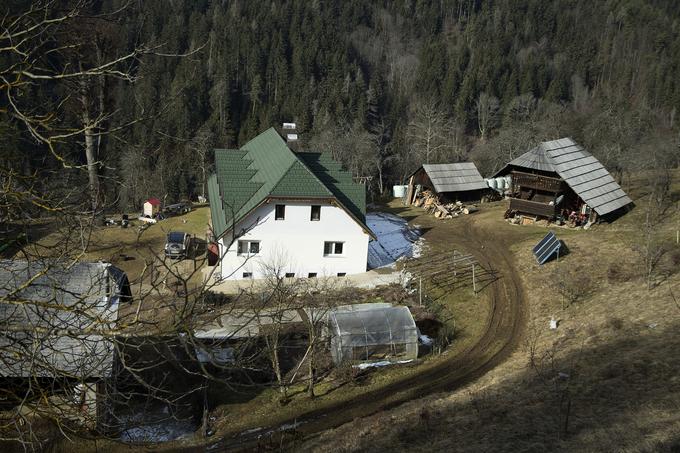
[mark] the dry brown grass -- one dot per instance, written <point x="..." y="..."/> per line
<point x="617" y="345"/>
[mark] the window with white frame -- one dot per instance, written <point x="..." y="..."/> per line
<point x="247" y="248"/>
<point x="332" y="248"/>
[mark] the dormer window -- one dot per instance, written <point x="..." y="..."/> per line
<point x="280" y="212"/>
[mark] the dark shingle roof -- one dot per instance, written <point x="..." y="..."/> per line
<point x="458" y="177"/>
<point x="586" y="176"/>
<point x="50" y="314"/>
<point x="265" y="167"/>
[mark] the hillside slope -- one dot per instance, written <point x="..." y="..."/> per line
<point x="606" y="379"/>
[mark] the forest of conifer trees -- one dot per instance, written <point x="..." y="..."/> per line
<point x="384" y="86"/>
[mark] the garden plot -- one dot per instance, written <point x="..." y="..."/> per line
<point x="396" y="239"/>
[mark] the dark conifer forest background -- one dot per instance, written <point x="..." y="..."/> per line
<point x="384" y="86"/>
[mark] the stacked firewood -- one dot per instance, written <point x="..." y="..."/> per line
<point x="431" y="203"/>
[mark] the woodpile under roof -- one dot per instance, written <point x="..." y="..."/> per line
<point x="431" y="203"/>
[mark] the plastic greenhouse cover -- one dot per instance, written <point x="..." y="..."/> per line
<point x="380" y="325"/>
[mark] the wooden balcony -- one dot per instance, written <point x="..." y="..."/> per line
<point x="533" y="208"/>
<point x="538" y="182"/>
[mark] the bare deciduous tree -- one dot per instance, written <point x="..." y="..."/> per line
<point x="487" y="108"/>
<point x="429" y="132"/>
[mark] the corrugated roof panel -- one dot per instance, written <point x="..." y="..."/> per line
<point x="455" y="177"/>
<point x="534" y="159"/>
<point x="600" y="177"/>
<point x="580" y="170"/>
<point x="571" y="160"/>
<point x="616" y="204"/>
<point x="595" y="192"/>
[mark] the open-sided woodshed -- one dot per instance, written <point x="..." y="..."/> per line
<point x="451" y="182"/>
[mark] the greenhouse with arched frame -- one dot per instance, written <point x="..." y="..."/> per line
<point x="377" y="332"/>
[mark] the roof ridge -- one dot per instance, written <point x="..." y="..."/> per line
<point x="289" y="169"/>
<point x="271" y="131"/>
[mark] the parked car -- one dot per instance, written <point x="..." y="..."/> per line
<point x="177" y="208"/>
<point x="177" y="244"/>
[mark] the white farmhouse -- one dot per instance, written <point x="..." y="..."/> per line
<point x="296" y="214"/>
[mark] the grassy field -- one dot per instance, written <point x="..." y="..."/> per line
<point x="117" y="245"/>
<point x="132" y="249"/>
<point x="605" y="380"/>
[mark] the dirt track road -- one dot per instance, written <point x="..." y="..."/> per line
<point x="502" y="335"/>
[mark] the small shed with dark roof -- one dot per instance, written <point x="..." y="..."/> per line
<point x="559" y="177"/>
<point x="454" y="182"/>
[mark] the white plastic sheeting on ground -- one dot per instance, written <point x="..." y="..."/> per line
<point x="396" y="239"/>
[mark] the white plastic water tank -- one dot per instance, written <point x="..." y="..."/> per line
<point x="500" y="183"/>
<point x="399" y="191"/>
<point x="491" y="183"/>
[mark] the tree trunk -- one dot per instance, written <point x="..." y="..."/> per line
<point x="310" y="385"/>
<point x="90" y="152"/>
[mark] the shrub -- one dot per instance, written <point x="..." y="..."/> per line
<point x="572" y="285"/>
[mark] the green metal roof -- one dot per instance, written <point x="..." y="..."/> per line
<point x="339" y="181"/>
<point x="265" y="167"/>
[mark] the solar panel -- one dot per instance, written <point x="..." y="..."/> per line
<point x="548" y="246"/>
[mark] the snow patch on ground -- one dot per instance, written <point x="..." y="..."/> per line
<point x="363" y="366"/>
<point x="395" y="239"/>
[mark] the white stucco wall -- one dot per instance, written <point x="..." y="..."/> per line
<point x="296" y="244"/>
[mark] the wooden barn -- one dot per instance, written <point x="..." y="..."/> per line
<point x="450" y="182"/>
<point x="560" y="179"/>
